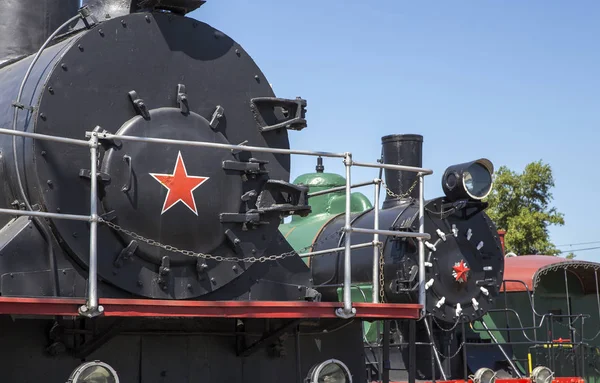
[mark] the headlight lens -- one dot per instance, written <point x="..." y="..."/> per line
<point x="330" y="371"/>
<point x="94" y="372"/>
<point x="470" y="180"/>
<point x="478" y="180"/>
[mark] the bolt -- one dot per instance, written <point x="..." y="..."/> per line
<point x="140" y="283"/>
<point x="238" y="53"/>
<point x="64" y="272"/>
<point x="123" y="23"/>
<point x="84" y="309"/>
<point x="43" y="116"/>
<point x="101" y="32"/>
<point x="189" y="286"/>
<point x="58" y="210"/>
<point x="49" y="182"/>
<point x="63" y="66"/>
<point x="75" y="235"/>
<point x="51" y="90"/>
<point x="253" y="251"/>
<point x="299" y="288"/>
<point x="257" y="78"/>
<point x="80" y="47"/>
<point x="214" y="281"/>
<point x="148" y="18"/>
<point x="43" y="153"/>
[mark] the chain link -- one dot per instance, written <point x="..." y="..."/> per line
<point x="394" y="195"/>
<point x="217" y="258"/>
<point x="381" y="276"/>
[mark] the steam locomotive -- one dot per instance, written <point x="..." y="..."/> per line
<point x="180" y="224"/>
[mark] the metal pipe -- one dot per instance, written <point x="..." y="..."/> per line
<point x="348" y="311"/>
<point x="245" y="148"/>
<point x="377" y="246"/>
<point x="44" y="137"/>
<point x="348" y="243"/>
<point x="571" y="332"/>
<point x="391" y="233"/>
<point x="421" y="245"/>
<point x="340" y="188"/>
<point x="91" y="308"/>
<point x="333" y="250"/>
<point x="509" y="360"/>
<point x="435" y="351"/>
<point x="394" y="167"/>
<point x="385" y="352"/>
<point x="45" y="215"/>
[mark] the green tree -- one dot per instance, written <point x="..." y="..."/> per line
<point x="520" y="204"/>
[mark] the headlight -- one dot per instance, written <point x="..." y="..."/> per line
<point x="470" y="180"/>
<point x="541" y="374"/>
<point x="484" y="375"/>
<point x="330" y="371"/>
<point x="94" y="372"/>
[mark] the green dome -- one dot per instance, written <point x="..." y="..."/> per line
<point x="320" y="180"/>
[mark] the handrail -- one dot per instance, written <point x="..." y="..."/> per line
<point x="92" y="308"/>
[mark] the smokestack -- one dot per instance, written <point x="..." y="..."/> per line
<point x="401" y="149"/>
<point x="108" y="9"/>
<point x="26" y="24"/>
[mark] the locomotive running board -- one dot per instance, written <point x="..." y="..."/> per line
<point x="205" y="309"/>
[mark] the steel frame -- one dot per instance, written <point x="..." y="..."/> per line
<point x="92" y="308"/>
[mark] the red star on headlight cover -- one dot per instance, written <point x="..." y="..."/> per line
<point x="460" y="271"/>
<point x="180" y="186"/>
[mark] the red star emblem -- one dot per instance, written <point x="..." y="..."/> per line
<point x="180" y="186"/>
<point x="460" y="271"/>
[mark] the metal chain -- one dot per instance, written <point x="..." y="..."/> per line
<point x="394" y="195"/>
<point x="381" y="276"/>
<point x="217" y="258"/>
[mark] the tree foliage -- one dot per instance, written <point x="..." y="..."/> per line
<point x="520" y="204"/>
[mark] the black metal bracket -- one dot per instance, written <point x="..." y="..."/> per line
<point x="126" y="254"/>
<point x="182" y="99"/>
<point x="128" y="161"/>
<point x="216" y="117"/>
<point x="266" y="339"/>
<point x="107" y="142"/>
<point x="252" y="167"/>
<point x="139" y="105"/>
<point x="251" y="217"/>
<point x="21" y="106"/>
<point x="88" y="19"/>
<point x="163" y="272"/>
<point x="87" y="173"/>
<point x="284" y="197"/>
<point x="201" y="268"/>
<point x="273" y="113"/>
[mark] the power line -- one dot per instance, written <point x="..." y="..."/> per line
<point x="574" y="250"/>
<point x="580" y="243"/>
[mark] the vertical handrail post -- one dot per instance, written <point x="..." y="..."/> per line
<point x="421" y="245"/>
<point x="347" y="311"/>
<point x="376" y="244"/>
<point x="91" y="307"/>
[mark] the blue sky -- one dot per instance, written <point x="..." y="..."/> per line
<point x="512" y="81"/>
